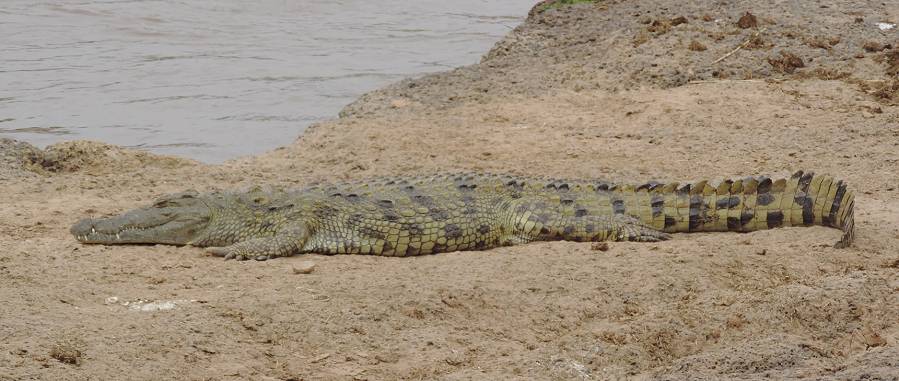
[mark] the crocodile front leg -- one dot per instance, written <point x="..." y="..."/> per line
<point x="285" y="243"/>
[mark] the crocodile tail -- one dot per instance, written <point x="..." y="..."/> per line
<point x="842" y="214"/>
<point x="749" y="204"/>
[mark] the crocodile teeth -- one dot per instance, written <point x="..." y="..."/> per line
<point x="117" y="237"/>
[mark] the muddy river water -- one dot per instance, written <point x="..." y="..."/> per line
<point x="218" y="79"/>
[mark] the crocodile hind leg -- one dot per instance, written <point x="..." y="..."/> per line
<point x="627" y="228"/>
<point x="616" y="227"/>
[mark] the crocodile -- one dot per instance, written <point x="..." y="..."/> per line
<point x="469" y="211"/>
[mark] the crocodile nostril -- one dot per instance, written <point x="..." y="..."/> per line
<point x="84" y="226"/>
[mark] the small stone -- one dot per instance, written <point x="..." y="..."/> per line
<point x="786" y="63"/>
<point x="748" y="21"/>
<point x="696" y="46"/>
<point x="455" y="358"/>
<point x="304" y="267"/>
<point x="600" y="246"/>
<point x="874" y="46"/>
<point x="762" y="252"/>
<point x="678" y="20"/>
<point x="66" y="353"/>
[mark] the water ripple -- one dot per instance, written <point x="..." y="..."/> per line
<point x="215" y="79"/>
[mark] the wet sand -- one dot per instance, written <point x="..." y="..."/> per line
<point x="586" y="91"/>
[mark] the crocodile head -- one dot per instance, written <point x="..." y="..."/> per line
<point x="177" y="219"/>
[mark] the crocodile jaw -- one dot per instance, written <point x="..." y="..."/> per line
<point x="146" y="225"/>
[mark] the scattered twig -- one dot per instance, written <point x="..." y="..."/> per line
<point x="743" y="45"/>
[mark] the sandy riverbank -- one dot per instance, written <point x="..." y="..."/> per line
<point x="613" y="91"/>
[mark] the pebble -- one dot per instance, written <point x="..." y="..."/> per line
<point x="304" y="267"/>
<point x="600" y="246"/>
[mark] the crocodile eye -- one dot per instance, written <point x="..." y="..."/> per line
<point x="169" y="202"/>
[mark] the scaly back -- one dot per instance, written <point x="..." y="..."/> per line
<point x="430" y="214"/>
